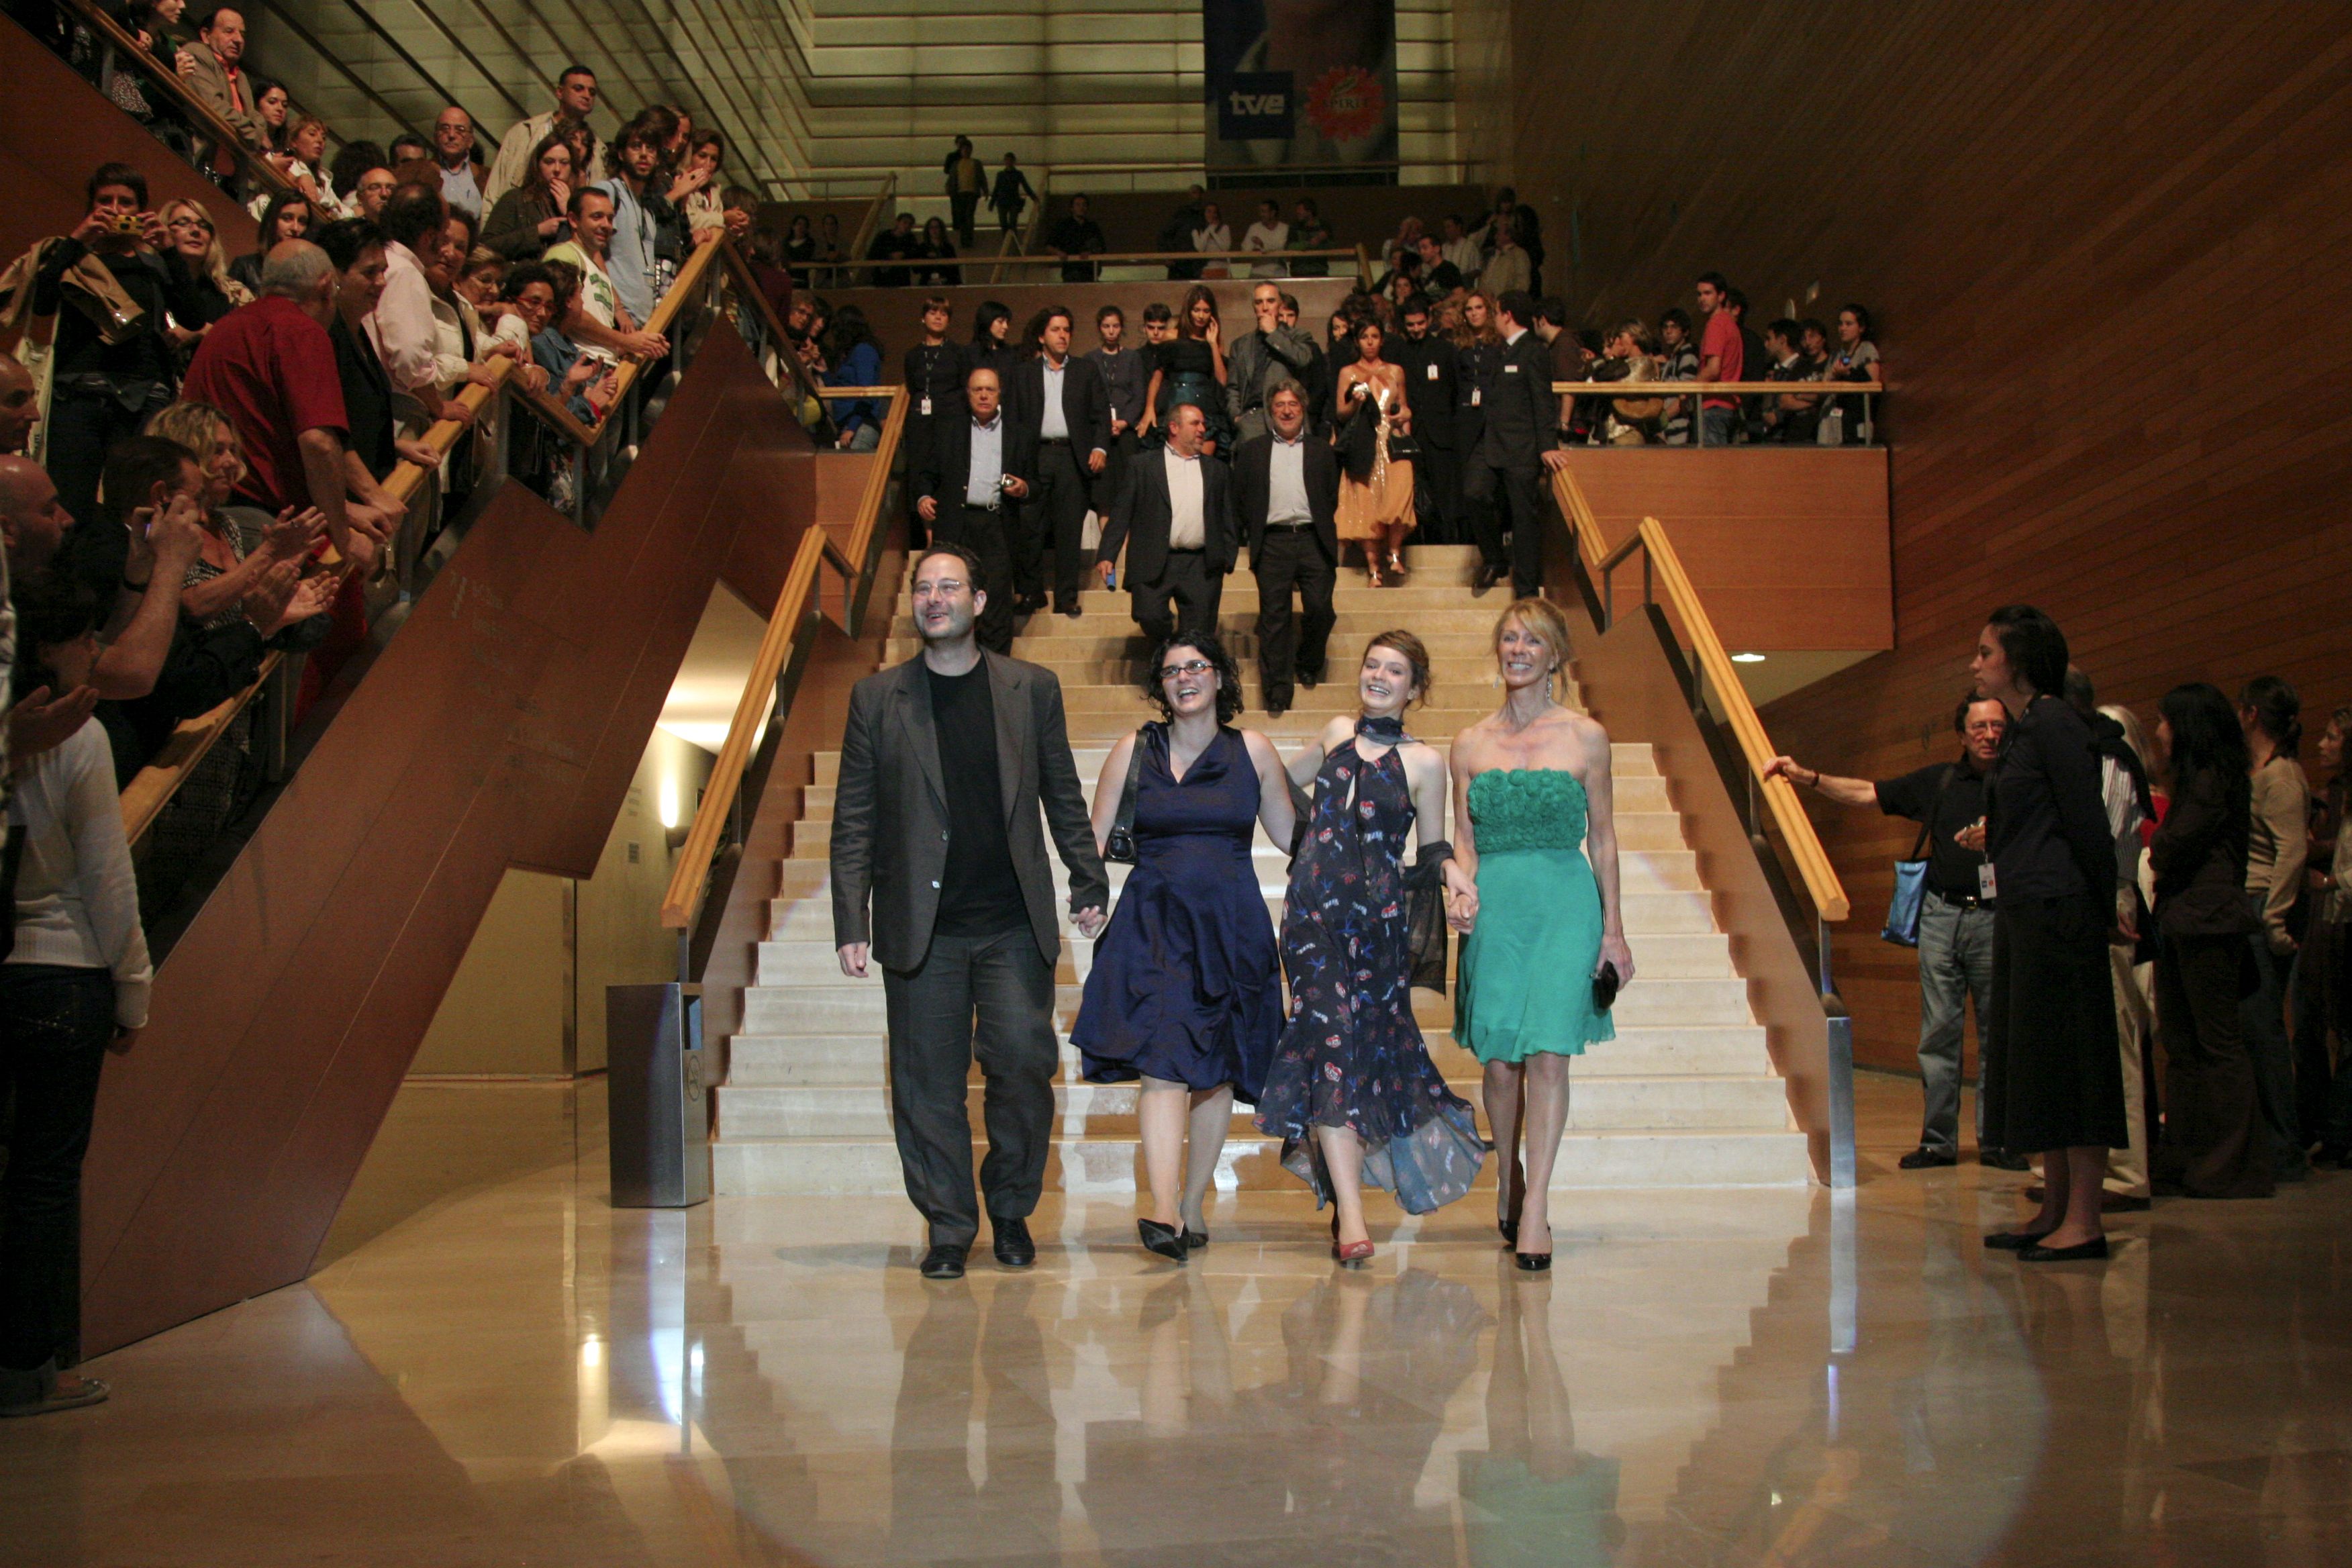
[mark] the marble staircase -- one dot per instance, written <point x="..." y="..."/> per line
<point x="1684" y="1096"/>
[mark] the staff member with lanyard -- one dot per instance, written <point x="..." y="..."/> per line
<point x="1947" y="799"/>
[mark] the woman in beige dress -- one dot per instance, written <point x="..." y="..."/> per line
<point x="1375" y="489"/>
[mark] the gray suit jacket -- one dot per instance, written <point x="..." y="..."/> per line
<point x="890" y="810"/>
<point x="210" y="83"/>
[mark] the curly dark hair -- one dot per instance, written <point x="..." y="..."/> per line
<point x="1229" y="678"/>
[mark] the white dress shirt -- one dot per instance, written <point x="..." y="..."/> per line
<point x="1187" y="528"/>
<point x="405" y="331"/>
<point x="1285" y="481"/>
<point x="77" y="898"/>
<point x="984" y="486"/>
<point x="1055" y="425"/>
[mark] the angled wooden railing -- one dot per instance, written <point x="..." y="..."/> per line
<point x="797" y="607"/>
<point x="152" y="788"/>
<point x="154" y="77"/>
<point x="1664" y="576"/>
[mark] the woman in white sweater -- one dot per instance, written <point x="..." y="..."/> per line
<point x="73" y="986"/>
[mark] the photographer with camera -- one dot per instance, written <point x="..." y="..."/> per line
<point x="114" y="299"/>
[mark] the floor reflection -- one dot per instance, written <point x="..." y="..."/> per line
<point x="505" y="1370"/>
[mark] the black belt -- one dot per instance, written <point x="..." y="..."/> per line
<point x="1290" y="527"/>
<point x="1960" y="900"/>
<point x="1173" y="550"/>
<point x="1052" y="440"/>
<point x="975" y="505"/>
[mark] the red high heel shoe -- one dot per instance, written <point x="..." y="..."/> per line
<point x="1348" y="1254"/>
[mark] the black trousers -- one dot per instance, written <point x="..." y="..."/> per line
<point x="82" y="427"/>
<point x="1054" y="513"/>
<point x="921" y="431"/>
<point x="1115" y="462"/>
<point x="2215" y="1145"/>
<point x="982" y="533"/>
<point x="1292" y="647"/>
<point x="1513" y="498"/>
<point x="991" y="996"/>
<point x="1437" y="495"/>
<point x="963" y="205"/>
<point x="54" y="1024"/>
<point x="1185" y="595"/>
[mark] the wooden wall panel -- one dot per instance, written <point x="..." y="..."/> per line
<point x="500" y="728"/>
<point x="2097" y="239"/>
<point x="1788" y="544"/>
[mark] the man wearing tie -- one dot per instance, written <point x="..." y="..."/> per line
<point x="1175" y="516"/>
<point x="975" y="473"/>
<point x="1287" y="492"/>
<point x="1519" y="442"/>
<point x="1063" y="400"/>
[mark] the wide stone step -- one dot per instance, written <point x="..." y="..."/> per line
<point x="1634" y="794"/>
<point x="1354" y="621"/>
<point x="812" y="835"/>
<point x="1091" y="637"/>
<point x="847" y="1006"/>
<point x="1728" y="1050"/>
<point x="1627" y="758"/>
<point x="843" y="1166"/>
<point x="808" y="915"/>
<point x="1683" y="1104"/>
<point x="1657" y="956"/>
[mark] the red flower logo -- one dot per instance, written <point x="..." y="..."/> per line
<point x="1346" y="102"/>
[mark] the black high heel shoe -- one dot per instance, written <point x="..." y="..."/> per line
<point x="1196" y="1240"/>
<point x="1530" y="1262"/>
<point x="1167" y="1241"/>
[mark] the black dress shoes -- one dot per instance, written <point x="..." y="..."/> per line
<point x="2014" y="1240"/>
<point x="1488" y="575"/>
<point x="2096" y="1248"/>
<point x="1013" y="1247"/>
<point x="1196" y="1240"/>
<point x="944" y="1262"/>
<point x="2003" y="1160"/>
<point x="1925" y="1159"/>
<point x="1276" y="707"/>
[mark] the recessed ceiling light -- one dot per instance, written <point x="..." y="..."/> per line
<point x="1747" y="658"/>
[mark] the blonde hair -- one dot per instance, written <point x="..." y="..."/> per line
<point x="195" y="425"/>
<point x="215" y="265"/>
<point x="1542" y="617"/>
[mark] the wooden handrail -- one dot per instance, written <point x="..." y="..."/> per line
<point x="664" y="311"/>
<point x="443" y="433"/>
<point x="153" y="74"/>
<point x="1812" y="861"/>
<point x="682" y="902"/>
<point x="871" y="224"/>
<point x="152" y="788"/>
<point x="1364" y="267"/>
<point x="746" y="288"/>
<point x="1717" y="388"/>
<point x="1126" y="257"/>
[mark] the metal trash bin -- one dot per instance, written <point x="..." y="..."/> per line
<point x="659" y="1111"/>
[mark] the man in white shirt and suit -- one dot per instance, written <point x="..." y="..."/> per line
<point x="1065" y="403"/>
<point x="977" y="471"/>
<point x="1286" y="498"/>
<point x="1175" y="516"/>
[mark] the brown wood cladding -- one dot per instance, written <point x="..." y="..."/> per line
<point x="500" y="728"/>
<point x="2098" y="240"/>
<point x="59" y="128"/>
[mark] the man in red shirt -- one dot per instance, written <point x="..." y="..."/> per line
<point x="270" y="367"/>
<point x="1721" y="357"/>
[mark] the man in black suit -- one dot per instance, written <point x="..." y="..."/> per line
<point x="1431" y="388"/>
<point x="1175" y="515"/>
<point x="1064" y="404"/>
<point x="1519" y="441"/>
<point x="977" y="470"/>
<point x="1286" y="493"/>
<point x="955" y="766"/>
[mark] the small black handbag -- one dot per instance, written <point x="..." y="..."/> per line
<point x="1119" y="847"/>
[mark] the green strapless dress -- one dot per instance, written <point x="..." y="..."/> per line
<point x="1526" y="967"/>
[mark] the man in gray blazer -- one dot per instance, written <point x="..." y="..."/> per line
<point x="945" y="764"/>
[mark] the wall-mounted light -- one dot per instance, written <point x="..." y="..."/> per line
<point x="665" y="802"/>
<point x="1747" y="658"/>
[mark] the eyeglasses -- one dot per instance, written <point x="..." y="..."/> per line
<point x="939" y="588"/>
<point x="1195" y="667"/>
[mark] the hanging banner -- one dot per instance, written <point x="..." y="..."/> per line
<point x="1301" y="84"/>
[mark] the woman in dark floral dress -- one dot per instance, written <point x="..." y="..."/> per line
<point x="1351" y="1089"/>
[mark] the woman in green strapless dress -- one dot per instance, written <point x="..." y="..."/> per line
<point x="1533" y="783"/>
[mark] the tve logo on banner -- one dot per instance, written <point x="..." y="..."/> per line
<point x="1257" y="106"/>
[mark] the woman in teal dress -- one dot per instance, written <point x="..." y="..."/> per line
<point x="1532" y="792"/>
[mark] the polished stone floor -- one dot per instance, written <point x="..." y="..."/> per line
<point x="496" y="1368"/>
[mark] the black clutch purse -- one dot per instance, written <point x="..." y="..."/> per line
<point x="1605" y="988"/>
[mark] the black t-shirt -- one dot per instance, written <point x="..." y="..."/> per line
<point x="1950" y="868"/>
<point x="979" y="893"/>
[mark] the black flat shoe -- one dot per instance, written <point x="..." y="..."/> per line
<point x="1196" y="1241"/>
<point x="2003" y="1160"/>
<point x="1532" y="1262"/>
<point x="1926" y="1159"/>
<point x="1014" y="1248"/>
<point x="944" y="1262"/>
<point x="2096" y="1248"/>
<point x="2013" y="1240"/>
<point x="1167" y="1241"/>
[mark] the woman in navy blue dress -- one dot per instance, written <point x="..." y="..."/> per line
<point x="1185" y="993"/>
<point x="1352" y="1091"/>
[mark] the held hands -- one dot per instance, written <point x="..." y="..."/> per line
<point x="1089" y="921"/>
<point x="853" y="955"/>
<point x="1461" y="898"/>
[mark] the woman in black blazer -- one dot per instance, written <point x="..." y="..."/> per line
<point x="2053" y="1081"/>
<point x="2214" y="1143"/>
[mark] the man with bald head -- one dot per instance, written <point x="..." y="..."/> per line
<point x="270" y="367"/>
<point x="20" y="405"/>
